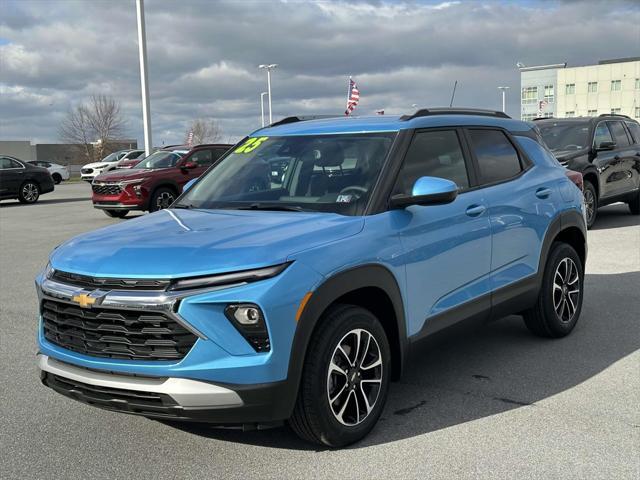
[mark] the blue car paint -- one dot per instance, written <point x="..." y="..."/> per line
<point x="440" y="256"/>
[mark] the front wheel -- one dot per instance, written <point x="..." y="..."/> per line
<point x="162" y="198"/>
<point x="116" y="213"/>
<point x="29" y="192"/>
<point x="345" y="378"/>
<point x="559" y="303"/>
<point x="590" y="203"/>
<point x="57" y="178"/>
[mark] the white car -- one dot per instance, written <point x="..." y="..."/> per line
<point x="108" y="163"/>
<point x="58" y="172"/>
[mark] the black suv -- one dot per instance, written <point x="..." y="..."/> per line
<point x="606" y="150"/>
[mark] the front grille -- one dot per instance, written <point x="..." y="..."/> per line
<point x="86" y="281"/>
<point x="106" y="188"/>
<point x="86" y="170"/>
<point x="130" y="401"/>
<point x="108" y="333"/>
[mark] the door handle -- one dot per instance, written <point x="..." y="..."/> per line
<point x="543" y="192"/>
<point x="475" y="210"/>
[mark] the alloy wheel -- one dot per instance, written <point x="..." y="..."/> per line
<point x="164" y="200"/>
<point x="590" y="204"/>
<point x="30" y="192"/>
<point x="566" y="289"/>
<point x="354" y="378"/>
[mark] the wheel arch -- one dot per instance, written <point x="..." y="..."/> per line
<point x="592" y="177"/>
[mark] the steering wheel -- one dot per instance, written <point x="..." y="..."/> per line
<point x="356" y="189"/>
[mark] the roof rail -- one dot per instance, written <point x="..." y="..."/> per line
<point x="542" y="118"/>
<point x="613" y="115"/>
<point x="427" y="112"/>
<point x="301" y="118"/>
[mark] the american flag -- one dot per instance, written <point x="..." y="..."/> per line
<point x="541" y="105"/>
<point x="354" y="97"/>
<point x="190" y="139"/>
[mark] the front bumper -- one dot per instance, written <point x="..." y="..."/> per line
<point x="106" y="205"/>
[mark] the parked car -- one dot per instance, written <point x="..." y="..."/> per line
<point x="606" y="150"/>
<point x="108" y="163"/>
<point x="256" y="299"/>
<point x="22" y="180"/>
<point x="132" y="160"/>
<point x="155" y="182"/>
<point x="58" y="172"/>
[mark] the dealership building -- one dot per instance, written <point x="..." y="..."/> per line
<point x="611" y="86"/>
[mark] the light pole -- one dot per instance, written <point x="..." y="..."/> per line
<point x="504" y="97"/>
<point x="262" y="106"/>
<point x="269" y="67"/>
<point x="144" y="82"/>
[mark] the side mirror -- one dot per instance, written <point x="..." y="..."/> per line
<point x="189" y="165"/>
<point x="427" y="191"/>
<point x="189" y="184"/>
<point x="606" y="146"/>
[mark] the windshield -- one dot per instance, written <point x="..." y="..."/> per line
<point x="162" y="159"/>
<point x="331" y="173"/>
<point x="111" y="158"/>
<point x="561" y="136"/>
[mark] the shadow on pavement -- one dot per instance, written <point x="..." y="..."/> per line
<point x="615" y="216"/>
<point x="16" y="203"/>
<point x="495" y="369"/>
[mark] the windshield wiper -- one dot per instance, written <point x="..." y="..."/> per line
<point x="271" y="206"/>
<point x="186" y="206"/>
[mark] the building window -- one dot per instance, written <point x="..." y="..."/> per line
<point x="547" y="115"/>
<point x="527" y="117"/>
<point x="616" y="85"/>
<point x="548" y="93"/>
<point x="570" y="114"/>
<point x="637" y="111"/>
<point x="592" y="87"/>
<point x="615" y="111"/>
<point x="529" y="95"/>
<point x="592" y="113"/>
<point x="570" y="88"/>
<point x="637" y="83"/>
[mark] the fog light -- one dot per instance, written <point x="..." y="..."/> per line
<point x="249" y="321"/>
<point x="247" y="315"/>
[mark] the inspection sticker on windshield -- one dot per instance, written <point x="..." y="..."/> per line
<point x="250" y="145"/>
<point x="344" y="198"/>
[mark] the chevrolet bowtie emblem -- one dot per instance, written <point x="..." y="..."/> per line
<point x="84" y="300"/>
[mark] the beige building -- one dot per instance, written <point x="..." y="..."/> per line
<point x="611" y="86"/>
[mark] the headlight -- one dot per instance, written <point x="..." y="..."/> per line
<point x="132" y="182"/>
<point x="245" y="276"/>
<point x="48" y="271"/>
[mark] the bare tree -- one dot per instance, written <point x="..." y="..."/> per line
<point x="93" y="126"/>
<point x="203" y="130"/>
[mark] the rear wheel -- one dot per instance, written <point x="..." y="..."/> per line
<point x="116" y="213"/>
<point x="162" y="198"/>
<point x="29" y="192"/>
<point x="559" y="302"/>
<point x="590" y="203"/>
<point x="57" y="178"/>
<point x="634" y="204"/>
<point x="345" y="378"/>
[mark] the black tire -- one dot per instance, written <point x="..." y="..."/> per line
<point x="162" y="198"/>
<point x="56" y="178"/>
<point x="29" y="192"/>
<point x="544" y="319"/>
<point x="591" y="203"/>
<point x="634" y="204"/>
<point x="116" y="213"/>
<point x="313" y="418"/>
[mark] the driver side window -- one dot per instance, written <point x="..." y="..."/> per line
<point x="602" y="134"/>
<point x="202" y="157"/>
<point x="433" y="154"/>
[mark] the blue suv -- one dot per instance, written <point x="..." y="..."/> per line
<point x="291" y="281"/>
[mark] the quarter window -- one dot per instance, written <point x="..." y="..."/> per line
<point x="619" y="134"/>
<point x="616" y="85"/>
<point x="602" y="134"/>
<point x="634" y="128"/>
<point x="433" y="154"/>
<point x="497" y="158"/>
<point x="570" y="88"/>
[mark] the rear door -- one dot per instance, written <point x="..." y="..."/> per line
<point x="624" y="177"/>
<point x="521" y="202"/>
<point x="605" y="161"/>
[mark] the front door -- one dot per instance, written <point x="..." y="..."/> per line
<point x="447" y="248"/>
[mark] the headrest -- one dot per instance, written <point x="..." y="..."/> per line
<point x="331" y="155"/>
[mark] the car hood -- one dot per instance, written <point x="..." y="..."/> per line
<point x="127" y="174"/>
<point x="181" y="243"/>
<point x="98" y="164"/>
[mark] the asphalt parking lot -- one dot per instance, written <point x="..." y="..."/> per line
<point x="497" y="404"/>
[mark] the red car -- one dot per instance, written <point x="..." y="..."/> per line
<point x="155" y="182"/>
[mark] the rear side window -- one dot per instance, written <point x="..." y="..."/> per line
<point x="619" y="134"/>
<point x="497" y="158"/>
<point x="602" y="134"/>
<point x="433" y="154"/>
<point x="218" y="152"/>
<point x="634" y="128"/>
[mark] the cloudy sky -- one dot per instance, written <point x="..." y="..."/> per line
<point x="203" y="56"/>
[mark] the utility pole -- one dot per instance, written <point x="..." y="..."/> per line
<point x="144" y="81"/>
<point x="269" y="67"/>
<point x="262" y="106"/>
<point x="504" y="98"/>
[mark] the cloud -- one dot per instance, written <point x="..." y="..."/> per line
<point x="203" y="56"/>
